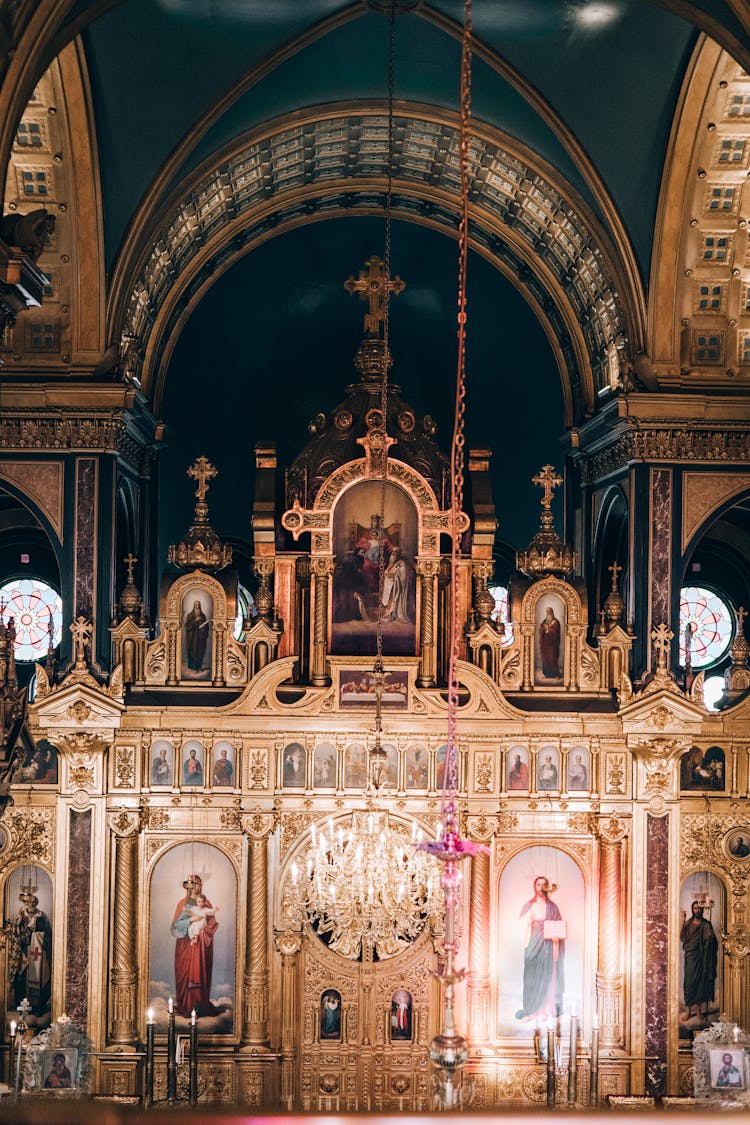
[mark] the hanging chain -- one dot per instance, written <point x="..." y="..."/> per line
<point x="450" y="782"/>
<point x="378" y="668"/>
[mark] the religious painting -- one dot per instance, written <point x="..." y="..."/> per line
<point x="549" y="641"/>
<point x="161" y="772"/>
<point x="701" y="911"/>
<point x="293" y="766"/>
<point x="518" y="769"/>
<point x="579" y="770"/>
<point x="324" y="766"/>
<point x="357" y="689"/>
<point x="727" y="1068"/>
<point x="540" y="956"/>
<point x="374" y="523"/>
<point x="59" y="1068"/>
<point x="703" y="769"/>
<point x="224" y="770"/>
<point x="416" y="767"/>
<point x="547" y="770"/>
<point x="355" y="767"/>
<point x="192" y="769"/>
<point x="330" y="1014"/>
<point x="738" y="843"/>
<point x="192" y="938"/>
<point x="391" y="766"/>
<point x="440" y="759"/>
<point x="28" y="914"/>
<point x="197" y="625"/>
<point x="37" y="765"/>
<point x="401" y="1016"/>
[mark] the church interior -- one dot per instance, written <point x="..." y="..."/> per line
<point x="375" y="554"/>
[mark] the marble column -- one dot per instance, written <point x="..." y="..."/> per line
<point x="427" y="571"/>
<point x="124" y="827"/>
<point x="322" y="569"/>
<point x="660" y="570"/>
<point x="258" y="827"/>
<point x="478" y="983"/>
<point x="288" y="944"/>
<point x="609" y="977"/>
<point x="78" y="916"/>
<point x="657" y="952"/>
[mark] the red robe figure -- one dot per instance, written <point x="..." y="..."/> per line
<point x="193" y="960"/>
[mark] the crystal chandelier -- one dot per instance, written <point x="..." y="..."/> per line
<point x="364" y="887"/>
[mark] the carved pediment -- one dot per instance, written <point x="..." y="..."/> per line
<point x="76" y="708"/>
<point x="662" y="713"/>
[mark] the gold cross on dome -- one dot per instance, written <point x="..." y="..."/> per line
<point x="549" y="480"/>
<point x="130" y="560"/>
<point x="375" y="286"/>
<point x="203" y="471"/>
<point x="741" y="615"/>
<point x="614" y="570"/>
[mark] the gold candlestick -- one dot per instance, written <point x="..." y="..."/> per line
<point x="193" y="1058"/>
<point x="551" y="1062"/>
<point x="595" y="1060"/>
<point x="148" y="1099"/>
<point x="171" y="1056"/>
<point x="573" y="1061"/>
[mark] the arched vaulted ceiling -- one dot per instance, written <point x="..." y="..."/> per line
<point x="222" y="124"/>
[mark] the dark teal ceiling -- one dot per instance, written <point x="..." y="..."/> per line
<point x="273" y="340"/>
<point x="157" y="67"/>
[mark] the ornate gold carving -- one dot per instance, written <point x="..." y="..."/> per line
<point x="481" y="827"/>
<point x="124" y="767"/>
<point x="125" y="822"/>
<point x="613" y="829"/>
<point x="615" y="763"/>
<point x="31" y="832"/>
<point x="507" y="822"/>
<point x="581" y="822"/>
<point x="79" y="711"/>
<point x="484" y="769"/>
<point x="258" y="769"/>
<point x="156" y="820"/>
<point x="258" y="825"/>
<point x="231" y="819"/>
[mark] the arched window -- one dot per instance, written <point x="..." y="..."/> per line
<point x="500" y="594"/>
<point x="34" y="606"/>
<point x="706" y="624"/>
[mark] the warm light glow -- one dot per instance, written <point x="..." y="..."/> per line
<point x="13" y="1029"/>
<point x="367" y="890"/>
<point x="170" y="1005"/>
<point x="150" y="1015"/>
<point x="596" y="14"/>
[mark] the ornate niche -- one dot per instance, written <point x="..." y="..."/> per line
<point x="195" y="645"/>
<point x="550" y="653"/>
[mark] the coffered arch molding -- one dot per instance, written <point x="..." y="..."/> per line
<point x="524" y="218"/>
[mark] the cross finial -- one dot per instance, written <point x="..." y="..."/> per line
<point x="24" y="1007"/>
<point x="661" y="637"/>
<point x="130" y="560"/>
<point x="202" y="471"/>
<point x="549" y="480"/>
<point x="81" y="630"/>
<point x="375" y="286"/>
<point x="741" y="615"/>
<point x="614" y="570"/>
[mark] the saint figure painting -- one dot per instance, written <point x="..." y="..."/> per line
<point x="192" y="942"/>
<point x="197" y="625"/>
<point x="549" y="641"/>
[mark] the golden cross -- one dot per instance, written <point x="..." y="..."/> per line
<point x="374" y="286"/>
<point x="203" y="471"/>
<point x="661" y="638"/>
<point x="741" y="615"/>
<point x="81" y="630"/>
<point x="549" y="481"/>
<point x="130" y="560"/>
<point x="614" y="570"/>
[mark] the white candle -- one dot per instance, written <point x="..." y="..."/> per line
<point x="192" y="1017"/>
<point x="595" y="1021"/>
<point x="150" y="1016"/>
<point x="12" y="1029"/>
<point x="736" y="1034"/>
<point x="171" y="1005"/>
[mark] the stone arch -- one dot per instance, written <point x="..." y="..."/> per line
<point x="525" y="220"/>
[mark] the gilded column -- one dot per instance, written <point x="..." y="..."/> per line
<point x="322" y="569"/>
<point x="288" y="944"/>
<point x="609" y="978"/>
<point x="258" y="827"/>
<point x="478" y="983"/>
<point x="171" y="654"/>
<point x="427" y="569"/>
<point x="737" y="949"/>
<point x="124" y="826"/>
<point x="527" y="633"/>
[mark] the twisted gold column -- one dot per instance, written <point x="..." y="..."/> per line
<point x="124" y="826"/>
<point x="258" y="827"/>
<point x="478" y="984"/>
<point x="322" y="568"/>
<point x="609" y="980"/>
<point x="427" y="570"/>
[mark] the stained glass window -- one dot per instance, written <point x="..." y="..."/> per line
<point x="500" y="594"/>
<point x="706" y="619"/>
<point x="31" y="603"/>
